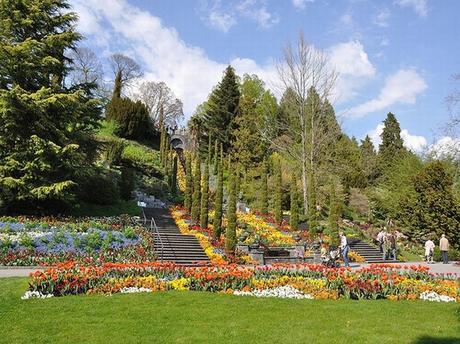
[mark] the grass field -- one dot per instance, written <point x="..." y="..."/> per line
<point x="193" y="317"/>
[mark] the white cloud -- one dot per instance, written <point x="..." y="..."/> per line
<point x="347" y="19"/>
<point x="224" y="15"/>
<point x="402" y="87"/>
<point x="382" y="18"/>
<point x="301" y="4"/>
<point x="414" y="143"/>
<point x="221" y="21"/>
<point x="419" y="6"/>
<point x="352" y="63"/>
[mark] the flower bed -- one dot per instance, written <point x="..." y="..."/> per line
<point x="391" y="282"/>
<point x="48" y="241"/>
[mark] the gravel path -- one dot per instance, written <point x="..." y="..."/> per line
<point x="15" y="271"/>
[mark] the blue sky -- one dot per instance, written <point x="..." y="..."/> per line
<point x="395" y="55"/>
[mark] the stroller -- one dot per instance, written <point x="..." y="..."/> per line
<point x="331" y="260"/>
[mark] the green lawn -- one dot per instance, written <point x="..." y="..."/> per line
<point x="193" y="317"/>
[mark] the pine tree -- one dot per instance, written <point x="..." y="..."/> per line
<point x="230" y="233"/>
<point x="278" y="193"/>
<point x="222" y="108"/>
<point x="46" y="127"/>
<point x="264" y="189"/>
<point x="369" y="160"/>
<point x="294" y="219"/>
<point x="218" y="202"/>
<point x="392" y="146"/>
<point x="196" y="198"/>
<point x="188" y="183"/>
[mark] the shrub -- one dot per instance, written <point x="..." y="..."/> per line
<point x="114" y="152"/>
<point x="126" y="183"/>
<point x="99" y="189"/>
<point x="132" y="118"/>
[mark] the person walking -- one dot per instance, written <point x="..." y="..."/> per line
<point x="344" y="248"/>
<point x="429" y="249"/>
<point x="393" y="249"/>
<point x="444" y="247"/>
<point x="380" y="239"/>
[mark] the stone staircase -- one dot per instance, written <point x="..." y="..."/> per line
<point x="369" y="252"/>
<point x="170" y="244"/>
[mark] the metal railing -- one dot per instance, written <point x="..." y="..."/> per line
<point x="154" y="228"/>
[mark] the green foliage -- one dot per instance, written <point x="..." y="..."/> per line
<point x="217" y="116"/>
<point x="392" y="147"/>
<point x="131" y="117"/>
<point x="99" y="188"/>
<point x="127" y="183"/>
<point x="114" y="152"/>
<point x="312" y="212"/>
<point x="334" y="213"/>
<point x="45" y="128"/>
<point x="230" y="233"/>
<point x="188" y="183"/>
<point x="218" y="201"/>
<point x="26" y="241"/>
<point x="294" y="219"/>
<point x="196" y="197"/>
<point x="264" y="189"/>
<point x="143" y="159"/>
<point x="433" y="210"/>
<point x="173" y="184"/>
<point x="369" y="160"/>
<point x="278" y="192"/>
<point x="204" y="196"/>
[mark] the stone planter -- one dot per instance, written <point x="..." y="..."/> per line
<point x="257" y="256"/>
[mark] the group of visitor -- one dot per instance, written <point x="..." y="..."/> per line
<point x="387" y="241"/>
<point x="443" y="247"/>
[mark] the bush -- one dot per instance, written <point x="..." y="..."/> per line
<point x="99" y="189"/>
<point x="453" y="254"/>
<point x="114" y="152"/>
<point x="132" y="118"/>
<point x="126" y="183"/>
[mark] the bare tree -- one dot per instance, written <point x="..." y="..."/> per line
<point x="306" y="74"/>
<point x="162" y="103"/>
<point x="86" y="67"/>
<point x="126" y="70"/>
<point x="453" y="106"/>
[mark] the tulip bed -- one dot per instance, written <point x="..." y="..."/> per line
<point x="46" y="241"/>
<point x="391" y="282"/>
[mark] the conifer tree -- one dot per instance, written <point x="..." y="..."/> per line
<point x="312" y="214"/>
<point x="230" y="233"/>
<point x="392" y="146"/>
<point x="216" y="156"/>
<point x="294" y="219"/>
<point x="218" y="202"/>
<point x="188" y="183"/>
<point x="204" y="192"/>
<point x="369" y="160"/>
<point x="173" y="184"/>
<point x="264" y="189"/>
<point x="46" y="128"/>
<point x="196" y="198"/>
<point x="278" y="193"/>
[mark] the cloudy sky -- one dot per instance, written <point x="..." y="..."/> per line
<point x="392" y="55"/>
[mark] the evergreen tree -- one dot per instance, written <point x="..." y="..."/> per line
<point x="196" y="198"/>
<point x="264" y="189"/>
<point x="188" y="183"/>
<point x="221" y="110"/>
<point x="218" y="202"/>
<point x="131" y="117"/>
<point x="278" y="193"/>
<point x="334" y="213"/>
<point x="216" y="156"/>
<point x="392" y="146"/>
<point x="46" y="128"/>
<point x="127" y="183"/>
<point x="173" y="184"/>
<point x="433" y="211"/>
<point x="369" y="160"/>
<point x="294" y="219"/>
<point x="117" y="86"/>
<point x="312" y="213"/>
<point x="205" y="190"/>
<point x="230" y="233"/>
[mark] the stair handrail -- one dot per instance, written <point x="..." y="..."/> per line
<point x="143" y="215"/>
<point x="154" y="227"/>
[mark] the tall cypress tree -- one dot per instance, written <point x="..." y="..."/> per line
<point x="204" y="192"/>
<point x="46" y="127"/>
<point x="196" y="198"/>
<point x="294" y="219"/>
<point x="188" y="183"/>
<point x="264" y="189"/>
<point x="230" y="233"/>
<point x="216" y="156"/>
<point x="278" y="193"/>
<point x="218" y="120"/>
<point x="312" y="214"/>
<point x="369" y="160"/>
<point x="218" y="202"/>
<point x="174" y="177"/>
